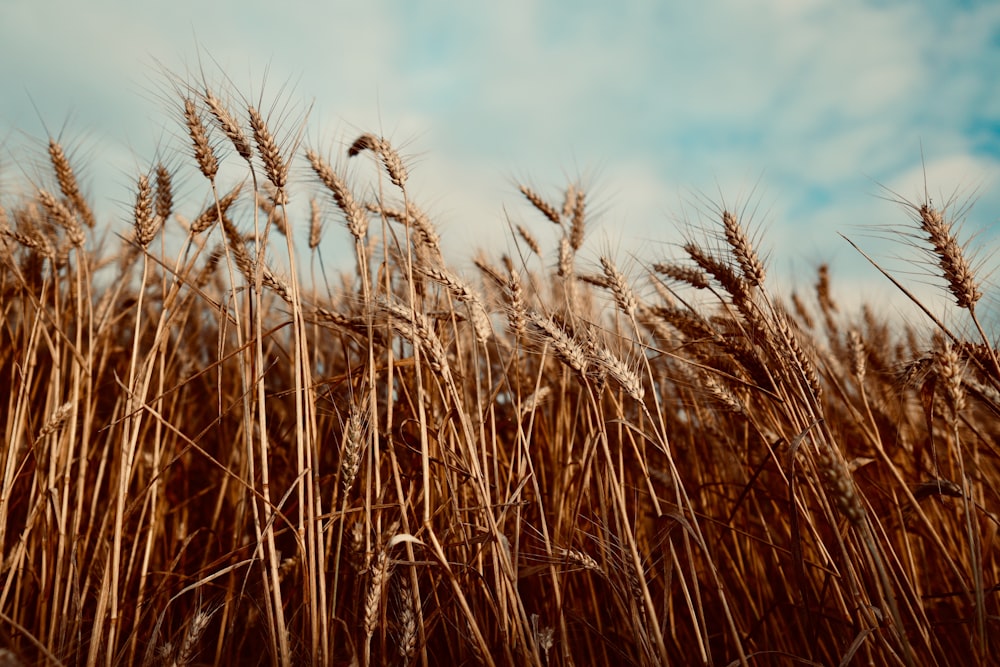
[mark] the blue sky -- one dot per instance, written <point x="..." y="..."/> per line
<point x="800" y="108"/>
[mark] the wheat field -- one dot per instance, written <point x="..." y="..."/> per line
<point x="218" y="451"/>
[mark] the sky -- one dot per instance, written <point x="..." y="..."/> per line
<point x="804" y="114"/>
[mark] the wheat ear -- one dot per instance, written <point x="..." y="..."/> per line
<point x="357" y="220"/>
<point x="68" y="183"/>
<point x="386" y="153"/>
<point x="208" y="164"/>
<point x="275" y="166"/>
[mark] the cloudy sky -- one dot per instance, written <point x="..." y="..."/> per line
<point x="799" y="110"/>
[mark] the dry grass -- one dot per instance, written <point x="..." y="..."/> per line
<point x="206" y="461"/>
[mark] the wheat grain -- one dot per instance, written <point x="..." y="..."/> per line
<point x="624" y="296"/>
<point x="145" y="224"/>
<point x="357" y="221"/>
<point x="229" y="125"/>
<point x="577" y="225"/>
<point x="378" y="575"/>
<point x="546" y="209"/>
<point x="211" y="214"/>
<point x="195" y="629"/>
<point x="57" y="420"/>
<point x="530" y="240"/>
<point x="164" y="204"/>
<point x="64" y="217"/>
<point x="390" y="158"/>
<point x="413" y="217"/>
<point x="315" y="224"/>
<point x="735" y="285"/>
<point x="743" y="251"/>
<point x="415" y="327"/>
<point x="568" y="350"/>
<point x="620" y="371"/>
<point x="408" y="623"/>
<point x="353" y="447"/>
<point x="858" y="358"/>
<point x="203" y="153"/>
<point x="837" y="479"/>
<point x="68" y="184"/>
<point x="685" y="274"/>
<point x="580" y="559"/>
<point x="275" y="166"/>
<point x="947" y="363"/>
<point x="951" y="257"/>
<point x="464" y="293"/>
